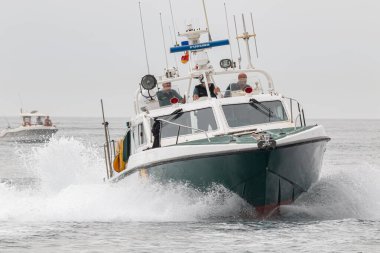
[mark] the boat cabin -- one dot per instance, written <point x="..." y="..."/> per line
<point x="228" y="107"/>
<point x="34" y="118"/>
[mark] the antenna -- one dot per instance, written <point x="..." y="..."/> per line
<point x="237" y="40"/>
<point x="246" y="38"/>
<point x="254" y="36"/>
<point x="228" y="30"/>
<point x="163" y="40"/>
<point x="143" y="33"/>
<point x="208" y="27"/>
<point x="175" y="60"/>
<point x="171" y="12"/>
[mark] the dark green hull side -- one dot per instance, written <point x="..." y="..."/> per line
<point x="263" y="178"/>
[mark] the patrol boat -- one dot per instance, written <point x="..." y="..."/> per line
<point x="35" y="127"/>
<point x="252" y="140"/>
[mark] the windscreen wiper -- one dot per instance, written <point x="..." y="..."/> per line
<point x="263" y="109"/>
<point x="176" y="111"/>
<point x="173" y="116"/>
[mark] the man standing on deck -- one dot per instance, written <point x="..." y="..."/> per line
<point x="200" y="89"/>
<point x="167" y="93"/>
<point x="48" y="122"/>
<point x="240" y="85"/>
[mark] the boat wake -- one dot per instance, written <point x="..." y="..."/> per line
<point x="68" y="186"/>
<point x="343" y="194"/>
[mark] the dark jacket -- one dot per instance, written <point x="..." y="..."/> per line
<point x="201" y="91"/>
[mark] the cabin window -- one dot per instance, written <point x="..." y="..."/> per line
<point x="202" y="119"/>
<point x="239" y="115"/>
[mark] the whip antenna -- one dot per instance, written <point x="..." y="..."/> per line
<point x="171" y="12"/>
<point x="237" y="40"/>
<point x="208" y="27"/>
<point x="228" y="30"/>
<point x="163" y="40"/>
<point x="175" y="60"/>
<point x="143" y="33"/>
<point x="254" y="36"/>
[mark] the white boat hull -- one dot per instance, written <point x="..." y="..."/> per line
<point x="28" y="134"/>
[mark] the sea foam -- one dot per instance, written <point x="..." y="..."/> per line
<point x="68" y="186"/>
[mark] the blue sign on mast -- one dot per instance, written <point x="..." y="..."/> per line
<point x="199" y="46"/>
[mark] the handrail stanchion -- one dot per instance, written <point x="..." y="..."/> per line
<point x="303" y="116"/>
<point x="291" y="110"/>
<point x="299" y="111"/>
<point x="179" y="129"/>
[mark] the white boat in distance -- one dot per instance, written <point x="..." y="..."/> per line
<point x="35" y="127"/>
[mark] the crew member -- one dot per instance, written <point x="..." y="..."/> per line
<point x="167" y="93"/>
<point x="48" y="122"/>
<point x="240" y="85"/>
<point x="200" y="89"/>
<point x="39" y="120"/>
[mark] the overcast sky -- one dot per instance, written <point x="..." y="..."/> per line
<point x="62" y="56"/>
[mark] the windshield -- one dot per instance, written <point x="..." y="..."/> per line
<point x="238" y="115"/>
<point x="202" y="119"/>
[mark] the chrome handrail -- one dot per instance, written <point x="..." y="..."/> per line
<point x="180" y="125"/>
<point x="300" y="114"/>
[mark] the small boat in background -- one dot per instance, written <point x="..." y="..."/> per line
<point x="35" y="127"/>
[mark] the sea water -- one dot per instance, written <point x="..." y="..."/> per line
<point x="53" y="199"/>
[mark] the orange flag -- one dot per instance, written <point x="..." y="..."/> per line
<point x="185" y="57"/>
